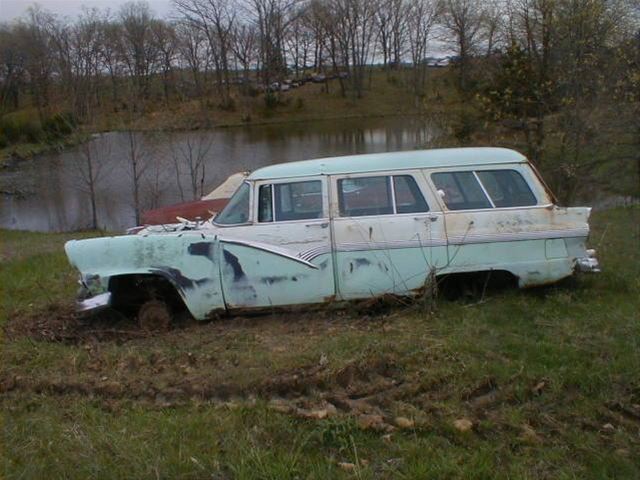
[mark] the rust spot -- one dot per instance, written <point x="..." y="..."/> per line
<point x="362" y="262"/>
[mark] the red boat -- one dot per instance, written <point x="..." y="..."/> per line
<point x="204" y="208"/>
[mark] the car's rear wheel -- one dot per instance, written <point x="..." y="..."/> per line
<point x="154" y="316"/>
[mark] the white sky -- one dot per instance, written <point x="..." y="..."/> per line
<point x="11" y="9"/>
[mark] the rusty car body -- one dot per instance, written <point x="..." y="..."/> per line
<point x="345" y="228"/>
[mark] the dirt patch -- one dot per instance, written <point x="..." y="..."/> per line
<point x="111" y="359"/>
<point x="60" y="323"/>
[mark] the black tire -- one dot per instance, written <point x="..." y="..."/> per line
<point x="154" y="316"/>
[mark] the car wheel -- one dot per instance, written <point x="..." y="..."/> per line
<point x="154" y="316"/>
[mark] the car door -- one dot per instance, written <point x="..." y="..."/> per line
<point x="284" y="256"/>
<point x="386" y="238"/>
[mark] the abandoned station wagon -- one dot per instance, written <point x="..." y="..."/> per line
<point x="344" y="228"/>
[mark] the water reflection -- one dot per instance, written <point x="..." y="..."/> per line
<point x="56" y="188"/>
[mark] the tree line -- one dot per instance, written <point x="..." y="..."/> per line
<point x="210" y="45"/>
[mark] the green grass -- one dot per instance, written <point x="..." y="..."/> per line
<point x="549" y="377"/>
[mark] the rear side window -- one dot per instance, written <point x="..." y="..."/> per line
<point x="292" y="201"/>
<point x="409" y="198"/>
<point x="507" y="188"/>
<point x="461" y="190"/>
<point x="364" y="196"/>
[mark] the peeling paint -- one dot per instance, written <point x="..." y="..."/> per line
<point x="204" y="249"/>
<point x="232" y="261"/>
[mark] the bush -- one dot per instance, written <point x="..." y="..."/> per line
<point x="270" y="100"/>
<point x="228" y="106"/>
<point x="58" y="126"/>
<point x="22" y="126"/>
<point x="25" y="126"/>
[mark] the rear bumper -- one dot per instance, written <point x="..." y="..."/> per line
<point x="589" y="263"/>
<point x="94" y="303"/>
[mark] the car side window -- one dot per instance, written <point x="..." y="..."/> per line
<point x="409" y="198"/>
<point x="507" y="188"/>
<point x="265" y="204"/>
<point x="461" y="190"/>
<point x="293" y="201"/>
<point x="358" y="197"/>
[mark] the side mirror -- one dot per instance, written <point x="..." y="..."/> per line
<point x="441" y="193"/>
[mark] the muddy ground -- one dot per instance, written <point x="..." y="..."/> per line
<point x="230" y="362"/>
<point x="122" y="364"/>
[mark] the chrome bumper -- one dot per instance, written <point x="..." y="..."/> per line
<point x="96" y="302"/>
<point x="588" y="264"/>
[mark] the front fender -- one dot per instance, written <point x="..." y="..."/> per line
<point x="187" y="260"/>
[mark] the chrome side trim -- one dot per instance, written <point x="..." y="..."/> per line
<point x="269" y="248"/>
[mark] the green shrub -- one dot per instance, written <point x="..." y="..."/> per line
<point x="270" y="100"/>
<point x="228" y="105"/>
<point x="22" y="126"/>
<point x="58" y="126"/>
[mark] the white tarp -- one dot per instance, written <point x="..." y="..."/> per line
<point x="228" y="187"/>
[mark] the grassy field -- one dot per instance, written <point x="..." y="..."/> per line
<point x="521" y="384"/>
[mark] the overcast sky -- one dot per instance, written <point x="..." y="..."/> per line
<point x="10" y="9"/>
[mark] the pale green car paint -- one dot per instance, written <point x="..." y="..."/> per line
<point x="220" y="268"/>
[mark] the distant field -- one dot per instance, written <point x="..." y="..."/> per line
<point x="534" y="384"/>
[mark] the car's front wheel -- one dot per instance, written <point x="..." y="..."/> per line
<point x="154" y="316"/>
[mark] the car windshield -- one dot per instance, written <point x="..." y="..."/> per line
<point x="237" y="210"/>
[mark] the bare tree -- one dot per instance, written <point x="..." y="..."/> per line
<point x="89" y="168"/>
<point x="463" y="21"/>
<point x="422" y="15"/>
<point x="137" y="162"/>
<point x="191" y="155"/>
<point x="110" y="56"/>
<point x="215" y="19"/>
<point x="194" y="51"/>
<point x="137" y="49"/>
<point x="35" y="33"/>
<point x="243" y="45"/>
<point x="12" y="68"/>
<point x="391" y="21"/>
<point x="351" y="28"/>
<point x="272" y="18"/>
<point x="166" y="43"/>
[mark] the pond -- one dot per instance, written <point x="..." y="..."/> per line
<point x="51" y="192"/>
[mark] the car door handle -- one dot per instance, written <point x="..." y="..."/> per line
<point x="317" y="225"/>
